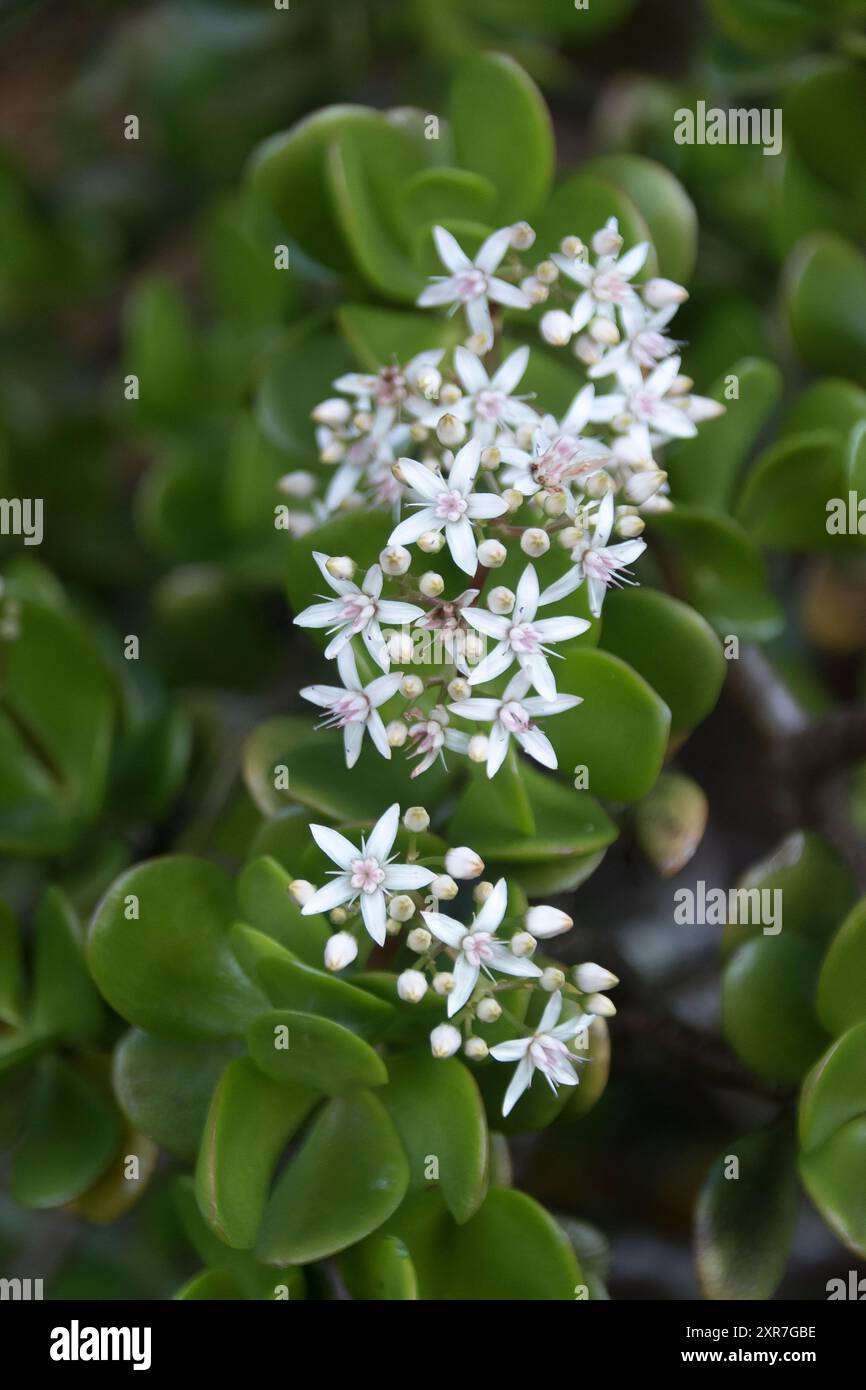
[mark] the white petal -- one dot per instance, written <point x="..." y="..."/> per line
<point x="335" y="845"/>
<point x="577" y="414"/>
<point x="571" y="1027"/>
<point x="470" y="371"/>
<point x="526" y="596"/>
<point x="485" y="505"/>
<point x="374" y="915"/>
<point x="560" y="629"/>
<point x="629" y="264"/>
<point x="475" y="709"/>
<point x="381" y="838"/>
<point x="509" y="374"/>
<point x="382" y="688"/>
<point x="451" y="254"/>
<point x="603" y="521"/>
<point x="331" y="895"/>
<point x="461" y="543"/>
<point x="465" y="467"/>
<point x="497" y="748"/>
<point x="502" y="293"/>
<point x="552" y="1010"/>
<point x="538" y="746"/>
<point x="445" y="928"/>
<point x="511" y="1050"/>
<point x="425" y="519"/>
<point x="353" y="737"/>
<point x="658" y="381"/>
<point x="466" y="977"/>
<point x="540" y="674"/>
<point x="440" y="292"/>
<point x="393" y="611"/>
<point x="320" y="614"/>
<point x="508" y="964"/>
<point x="378" y="734"/>
<point x="492" y="665"/>
<point x="519" y="1082"/>
<point x="479" y="320"/>
<point x="492" y="250"/>
<point x="492" y="909"/>
<point x="323" y="695"/>
<point x="422" y="480"/>
<point x="491" y="624"/>
<point x="537" y="707"/>
<point x="582" y="311"/>
<point x="407" y="878"/>
<point x="562" y="587"/>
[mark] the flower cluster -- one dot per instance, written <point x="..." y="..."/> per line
<point x="469" y="463"/>
<point x="477" y="969"/>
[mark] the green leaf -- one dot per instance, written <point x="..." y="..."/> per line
<point x="11" y="968"/>
<point x="619" y="732"/>
<point x="170" y="969"/>
<point x="316" y="1052"/>
<point x="842" y="984"/>
<point x="815" y="884"/>
<point x="72" y="1135"/>
<point x="829" y="404"/>
<point x="833" y="1177"/>
<point x="825" y="299"/>
<point x="348" y="1178"/>
<point x="161" y="350"/>
<point x="379" y="1268"/>
<point x="439" y="196"/>
<point x="502" y="130"/>
<point x="663" y="203"/>
<point x="212" y="1286"/>
<point x="784" y="501"/>
<point x="263" y="896"/>
<point x="768" y="26"/>
<point x="834" y="1092"/>
<point x="672" y="647"/>
<point x="706" y="469"/>
<point x="378" y="337"/>
<point x="723" y="573"/>
<point x="670" y="822"/>
<point x="438" y="1112"/>
<point x="255" y="1279"/>
<point x="233" y="1175"/>
<point x="744" y="1223"/>
<point x="65" y="1003"/>
<point x="581" y="204"/>
<point x="593" y="1076"/>
<point x="767" y="1006"/>
<point x="164" y="1087"/>
<point x="816" y="109"/>
<point x="298" y="375"/>
<point x="567" y="822"/>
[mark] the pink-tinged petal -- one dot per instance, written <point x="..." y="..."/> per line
<point x="510" y="295"/>
<point x="422" y="480"/>
<point x="414" y="526"/>
<point x="378" y="734"/>
<point x="381" y="838"/>
<point x="596" y="590"/>
<point x="323" y="695"/>
<point x="382" y="688"/>
<point x="508" y="376"/>
<point x="331" y="895"/>
<point x="461" y="543"/>
<point x="470" y="371"/>
<point x="445" y="928"/>
<point x="320" y="614"/>
<point x="465" y="467"/>
<point x="510" y="1051"/>
<point x="497" y="748"/>
<point x="407" y="878"/>
<point x="578" y="271"/>
<point x="356" y="384"/>
<point x="373" y="581"/>
<point x="492" y="250"/>
<point x="335" y="845"/>
<point x="492" y="665"/>
<point x="440" y="292"/>
<point x="659" y="381"/>
<point x="521" y="1079"/>
<point x="537" y="708"/>
<point x="562" y="587"/>
<point x="563" y="1074"/>
<point x="526" y="596"/>
<point x="348" y="669"/>
<point x="466" y="978"/>
<point x="552" y="1010"/>
<point x="451" y="254"/>
<point x="483" y="506"/>
<point x="669" y="419"/>
<point x="538" y="746"/>
<point x="336" y="644"/>
<point x="508" y="964"/>
<point x="374" y="915"/>
<point x="475" y="708"/>
<point x="604" y="408"/>
<point x="571" y="1027"/>
<point x="560" y="629"/>
<point x="582" y="311"/>
<point x="492" y="910"/>
<point x="491" y="624"/>
<point x="479" y="320"/>
<point x="353" y="737"/>
<point x="540" y="674"/>
<point x="633" y="260"/>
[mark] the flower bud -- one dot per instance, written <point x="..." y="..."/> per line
<point x="338" y="915"/>
<point x="641" y="486"/>
<point x="513" y="499"/>
<point x="481" y="892"/>
<point x="476" y="1049"/>
<point x="400" y="648"/>
<point x="572" y="246"/>
<point x="340" y="950"/>
<point x="395" y="560"/>
<point x="450" y="430"/>
<point x="363" y="421"/>
<point x="333" y="452"/>
<point x="523" y="943"/>
<point x="396" y="733"/>
<point x="431" y="584"/>
<point x="340" y="567"/>
<point x="586" y="350"/>
<point x="431" y="542"/>
<point x="555" y="504"/>
<point x="463" y="862"/>
<point x="659" y="293"/>
<point x="488" y="1011"/>
<point x="547" y="272"/>
<point x="478" y="748"/>
<point x="556" y="327"/>
<point x="459" y="688"/>
<point x="411" y="986"/>
<point x="500" y="600"/>
<point x="416" y="819"/>
<point x="598" y="484"/>
<point x="522" y="236"/>
<point x="299" y="484"/>
<point x="411" y="687"/>
<point x="545" y="922"/>
<point x="300" y="891"/>
<point x="552" y="979"/>
<point x="534" y="542"/>
<point x="492" y="554"/>
<point x="604" y="331"/>
<point x="535" y="292"/>
<point x="629" y="527"/>
<point x="444" y="982"/>
<point x="402" y="908"/>
<point x="450" y="393"/>
<point x="444" y="1040"/>
<point x="444" y="887"/>
<point x="333" y="412"/>
<point x="418" y="940"/>
<point x="606" y="241"/>
<point x="590" y="978"/>
<point x="600" y="1005"/>
<point x="491" y="457"/>
<point x="570" y="536"/>
<point x="428" y="381"/>
<point x="392" y="926"/>
<point x="473" y="646"/>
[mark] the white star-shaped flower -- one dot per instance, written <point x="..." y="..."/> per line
<point x="643" y="346"/>
<point x="513" y="715"/>
<point x="649" y="410"/>
<point x="606" y="285"/>
<point x="431" y="736"/>
<point x="544" y="1051"/>
<point x="353" y="707"/>
<point x="522" y="637"/>
<point x="478" y="947"/>
<point x="366" y="874"/>
<point x="600" y="564"/>
<point x="357" y="612"/>
<point x="488" y="402"/>
<point x="472" y="283"/>
<point x="449" y="504"/>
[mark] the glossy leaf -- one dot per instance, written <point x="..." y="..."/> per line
<point x="502" y="131"/>
<point x="314" y="1052"/>
<point x="379" y="1268"/>
<point x="825" y="296"/>
<point x="73" y="1133"/>
<point x="834" y="1092"/>
<point x="842" y="984"/>
<point x="767" y="1006"/>
<point x="833" y="1177"/>
<point x="378" y="336"/>
<point x="784" y="502"/>
<point x="11" y="971"/>
<point x="567" y="822"/>
<point x="664" y="205"/>
<point x="581" y="204"/>
<point x="263" y="896"/>
<point x="65" y="1002"/>
<point x="815" y="885"/>
<point x="164" y="1087"/>
<point x="670" y="822"/>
